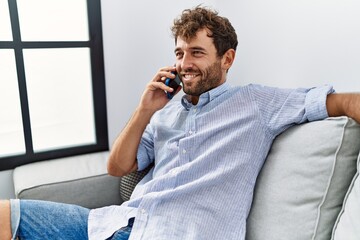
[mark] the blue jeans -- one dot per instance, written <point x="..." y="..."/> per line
<point x="32" y="219"/>
<point x="123" y="233"/>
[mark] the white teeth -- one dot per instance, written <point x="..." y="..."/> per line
<point x="190" y="76"/>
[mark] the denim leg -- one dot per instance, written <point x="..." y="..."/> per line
<point x="123" y="233"/>
<point x="50" y="220"/>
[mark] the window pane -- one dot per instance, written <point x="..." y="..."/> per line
<point x="5" y="27"/>
<point x="55" y="20"/>
<point x="11" y="129"/>
<point x="60" y="97"/>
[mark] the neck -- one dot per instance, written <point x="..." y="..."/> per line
<point x="194" y="99"/>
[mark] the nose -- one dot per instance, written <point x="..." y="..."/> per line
<point x="186" y="62"/>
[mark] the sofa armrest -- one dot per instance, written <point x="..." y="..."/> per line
<point x="81" y="180"/>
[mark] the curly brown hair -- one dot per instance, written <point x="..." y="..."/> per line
<point x="199" y="18"/>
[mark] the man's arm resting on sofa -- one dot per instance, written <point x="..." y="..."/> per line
<point x="344" y="104"/>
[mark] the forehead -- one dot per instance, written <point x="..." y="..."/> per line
<point x="201" y="40"/>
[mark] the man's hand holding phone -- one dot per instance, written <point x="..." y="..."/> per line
<point x="164" y="85"/>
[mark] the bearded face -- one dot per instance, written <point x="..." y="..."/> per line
<point x="197" y="81"/>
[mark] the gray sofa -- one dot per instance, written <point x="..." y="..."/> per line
<point x="308" y="188"/>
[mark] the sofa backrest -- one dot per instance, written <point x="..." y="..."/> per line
<point x="302" y="185"/>
<point x="348" y="221"/>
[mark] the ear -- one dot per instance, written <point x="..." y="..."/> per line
<point x="228" y="59"/>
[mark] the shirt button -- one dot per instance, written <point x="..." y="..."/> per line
<point x="173" y="171"/>
<point x="184" y="151"/>
<point x="143" y="211"/>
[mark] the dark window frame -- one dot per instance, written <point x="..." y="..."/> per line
<point x="95" y="44"/>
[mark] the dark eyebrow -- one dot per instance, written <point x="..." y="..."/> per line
<point x="177" y="49"/>
<point x="198" y="48"/>
<point x="192" y="48"/>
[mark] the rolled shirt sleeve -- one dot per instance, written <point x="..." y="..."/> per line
<point x="145" y="153"/>
<point x="315" y="102"/>
<point x="282" y="108"/>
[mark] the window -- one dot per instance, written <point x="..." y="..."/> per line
<point x="52" y="86"/>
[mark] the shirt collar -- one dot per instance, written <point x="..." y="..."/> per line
<point x="206" y="97"/>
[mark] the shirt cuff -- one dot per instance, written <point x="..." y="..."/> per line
<point x="315" y="102"/>
<point x="141" y="158"/>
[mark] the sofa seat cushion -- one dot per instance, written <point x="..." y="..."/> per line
<point x="348" y="222"/>
<point x="81" y="180"/>
<point x="301" y="187"/>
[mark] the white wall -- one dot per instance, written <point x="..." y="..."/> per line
<point x="281" y="43"/>
<point x="297" y="43"/>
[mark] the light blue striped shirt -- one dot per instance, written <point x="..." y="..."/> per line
<point x="207" y="158"/>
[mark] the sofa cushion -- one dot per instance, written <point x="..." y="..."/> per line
<point x="301" y="187"/>
<point x="81" y="180"/>
<point x="91" y="192"/>
<point x="348" y="222"/>
<point x="129" y="182"/>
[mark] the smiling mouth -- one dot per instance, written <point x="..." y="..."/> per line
<point x="189" y="77"/>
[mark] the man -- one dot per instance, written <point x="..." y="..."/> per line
<point x="207" y="148"/>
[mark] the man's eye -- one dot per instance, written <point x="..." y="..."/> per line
<point x="197" y="53"/>
<point x="178" y="55"/>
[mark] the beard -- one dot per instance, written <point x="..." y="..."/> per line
<point x="210" y="78"/>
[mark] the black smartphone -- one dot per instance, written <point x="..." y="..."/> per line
<point x="174" y="84"/>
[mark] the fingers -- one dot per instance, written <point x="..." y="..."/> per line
<point x="164" y="73"/>
<point x="160" y="85"/>
<point x="158" y="81"/>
